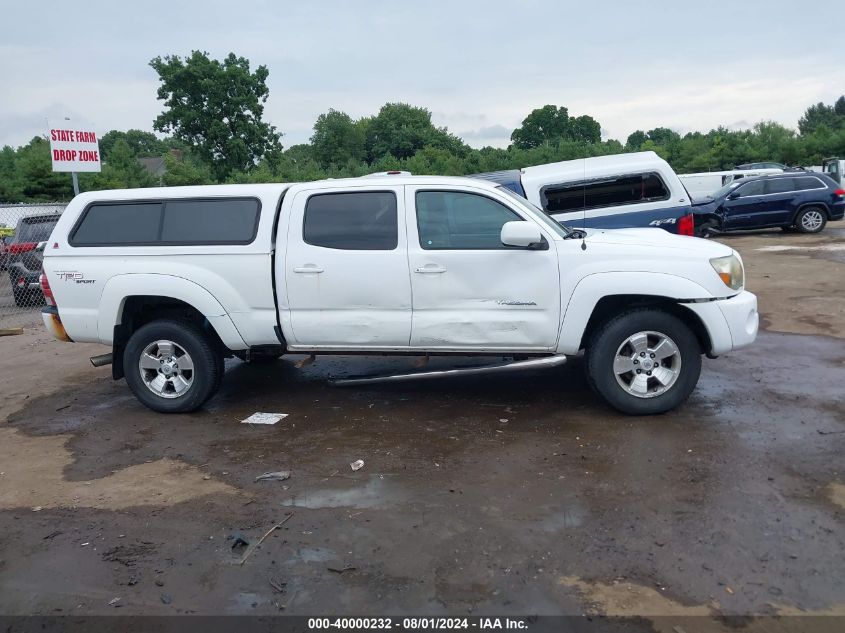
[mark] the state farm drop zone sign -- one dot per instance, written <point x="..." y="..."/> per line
<point x="74" y="148"/>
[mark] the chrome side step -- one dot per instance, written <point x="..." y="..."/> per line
<point x="520" y="365"/>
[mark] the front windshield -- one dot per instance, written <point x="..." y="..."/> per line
<point x="726" y="189"/>
<point x="557" y="227"/>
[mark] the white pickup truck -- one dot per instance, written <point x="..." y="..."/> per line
<point x="177" y="279"/>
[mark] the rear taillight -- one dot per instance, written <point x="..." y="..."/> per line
<point x="22" y="247"/>
<point x="45" y="288"/>
<point x="686" y="225"/>
<point x="21" y="282"/>
<point x="839" y="193"/>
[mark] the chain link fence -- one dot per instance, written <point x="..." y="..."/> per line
<point x="22" y="228"/>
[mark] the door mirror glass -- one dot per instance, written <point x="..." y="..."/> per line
<point x="523" y="234"/>
<point x="733" y="195"/>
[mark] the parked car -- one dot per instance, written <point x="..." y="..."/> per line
<point x="4" y="253"/>
<point x="174" y="280"/>
<point x="611" y="192"/>
<point x="24" y="259"/>
<point x="805" y="202"/>
<point x="763" y="165"/>
<point x="704" y="184"/>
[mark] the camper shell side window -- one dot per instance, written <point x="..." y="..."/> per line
<point x="604" y="192"/>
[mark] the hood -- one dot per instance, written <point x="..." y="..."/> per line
<point x="655" y="237"/>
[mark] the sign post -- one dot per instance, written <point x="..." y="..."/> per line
<point x="74" y="148"/>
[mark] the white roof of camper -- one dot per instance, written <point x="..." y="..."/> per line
<point x="595" y="167"/>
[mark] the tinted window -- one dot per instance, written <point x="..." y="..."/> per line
<point x="604" y="193"/>
<point x="35" y="230"/>
<point x="753" y="188"/>
<point x="457" y="220"/>
<point x="780" y="185"/>
<point x="808" y="183"/>
<point x="121" y="223"/>
<point x="230" y="221"/>
<point x="365" y="221"/>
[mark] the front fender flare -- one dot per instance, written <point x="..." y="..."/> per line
<point x="592" y="288"/>
<point x="121" y="287"/>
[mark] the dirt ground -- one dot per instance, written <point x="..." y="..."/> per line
<point x="519" y="494"/>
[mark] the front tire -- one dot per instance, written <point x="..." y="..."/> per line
<point x="811" y="220"/>
<point x="172" y="366"/>
<point x="643" y="362"/>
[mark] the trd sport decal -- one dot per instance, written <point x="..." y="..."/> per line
<point x="72" y="275"/>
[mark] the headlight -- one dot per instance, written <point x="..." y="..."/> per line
<point x="730" y="271"/>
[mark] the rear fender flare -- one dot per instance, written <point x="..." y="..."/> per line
<point x="121" y="287"/>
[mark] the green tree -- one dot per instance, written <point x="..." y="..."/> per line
<point x="143" y="144"/>
<point x="821" y="114"/>
<point x="635" y="140"/>
<point x="121" y="170"/>
<point x="585" y="129"/>
<point x="38" y="181"/>
<point x="542" y="125"/>
<point x="401" y="130"/>
<point x="10" y="190"/>
<point x="185" y="170"/>
<point x="217" y="108"/>
<point x="337" y="139"/>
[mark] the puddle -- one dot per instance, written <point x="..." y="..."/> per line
<point x="376" y="493"/>
<point x="816" y="247"/>
<point x="572" y="517"/>
<point x="33" y="477"/>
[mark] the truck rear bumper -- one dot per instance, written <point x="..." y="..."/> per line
<point x="53" y="323"/>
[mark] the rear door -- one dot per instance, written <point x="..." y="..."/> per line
<point x="346" y="268"/>
<point x="743" y="212"/>
<point x="471" y="292"/>
<point x="779" y="202"/>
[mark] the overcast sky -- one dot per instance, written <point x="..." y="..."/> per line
<point x="480" y="67"/>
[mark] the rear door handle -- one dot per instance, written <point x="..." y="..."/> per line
<point x="310" y="268"/>
<point x="430" y="269"/>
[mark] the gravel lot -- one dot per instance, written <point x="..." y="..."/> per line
<point x="519" y="494"/>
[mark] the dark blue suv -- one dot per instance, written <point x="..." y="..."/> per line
<point x="804" y="201"/>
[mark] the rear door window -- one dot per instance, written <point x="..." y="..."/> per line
<point x="780" y="185"/>
<point x="359" y="221"/>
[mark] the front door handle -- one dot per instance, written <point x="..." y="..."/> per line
<point x="308" y="268"/>
<point x="430" y="269"/>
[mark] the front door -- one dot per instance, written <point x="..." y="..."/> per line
<point x="471" y="292"/>
<point x="743" y="212"/>
<point x="346" y="269"/>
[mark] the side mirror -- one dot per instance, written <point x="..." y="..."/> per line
<point x="523" y="234"/>
<point x="733" y="195"/>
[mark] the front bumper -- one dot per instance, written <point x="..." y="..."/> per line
<point x="740" y="312"/>
<point x="731" y="323"/>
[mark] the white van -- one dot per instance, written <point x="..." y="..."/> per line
<point x="704" y="184"/>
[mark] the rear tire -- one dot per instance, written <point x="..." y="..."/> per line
<point x="811" y="220"/>
<point x="151" y="364"/>
<point x="643" y="362"/>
